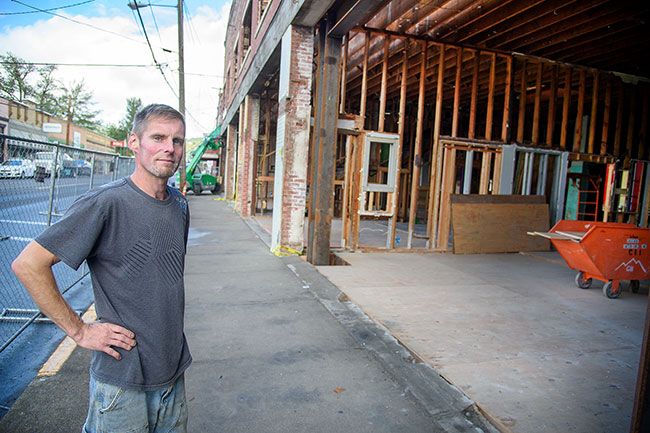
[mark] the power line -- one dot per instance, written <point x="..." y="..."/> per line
<point x="81" y="23"/>
<point x="99" y="65"/>
<point x="47" y="10"/>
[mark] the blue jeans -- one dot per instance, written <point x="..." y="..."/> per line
<point x="114" y="409"/>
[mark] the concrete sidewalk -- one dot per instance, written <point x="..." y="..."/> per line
<point x="276" y="349"/>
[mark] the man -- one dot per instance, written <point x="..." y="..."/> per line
<point x="133" y="235"/>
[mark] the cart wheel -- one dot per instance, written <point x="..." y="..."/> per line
<point x="634" y="286"/>
<point x="608" y="290"/>
<point x="582" y="282"/>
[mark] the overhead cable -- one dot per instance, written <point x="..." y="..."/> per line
<point x="47" y="10"/>
<point x="80" y="22"/>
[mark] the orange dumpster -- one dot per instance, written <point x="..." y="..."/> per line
<point x="609" y="252"/>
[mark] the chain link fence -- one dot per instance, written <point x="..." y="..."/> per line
<point x="38" y="182"/>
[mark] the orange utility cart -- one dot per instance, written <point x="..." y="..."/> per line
<point x="609" y="252"/>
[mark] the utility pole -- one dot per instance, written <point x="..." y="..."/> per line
<point x="181" y="90"/>
<point x="181" y="77"/>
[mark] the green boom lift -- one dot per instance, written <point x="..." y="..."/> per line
<point x="200" y="182"/>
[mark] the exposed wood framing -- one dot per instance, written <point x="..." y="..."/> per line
<point x="436" y="144"/>
<point x="507" y="100"/>
<point x="457" y="82"/>
<point x="345" y="211"/>
<point x="566" y="102"/>
<point x="384" y="85"/>
<point x="619" y="118"/>
<point x="550" y="122"/>
<point x="606" y="114"/>
<point x="643" y="131"/>
<point x="473" y="102"/>
<point x="486" y="165"/>
<point x="417" y="159"/>
<point x="344" y="67"/>
<point x="490" y="100"/>
<point x="538" y="101"/>
<point x="577" y="140"/>
<point x="630" y="126"/>
<point x="364" y="80"/>
<point x="522" y="103"/>
<point x="324" y="148"/>
<point x="594" y="115"/>
<point x="447" y="189"/>
<point x="400" y="145"/>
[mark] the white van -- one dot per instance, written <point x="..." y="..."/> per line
<point x="46" y="161"/>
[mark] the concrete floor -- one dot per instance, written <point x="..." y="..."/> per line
<point x="511" y="330"/>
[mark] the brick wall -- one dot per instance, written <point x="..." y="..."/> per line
<point x="249" y="132"/>
<point x="296" y="107"/>
<point x="229" y="173"/>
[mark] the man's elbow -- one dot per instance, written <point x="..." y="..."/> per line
<point x="20" y="266"/>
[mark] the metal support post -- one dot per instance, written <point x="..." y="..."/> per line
<point x="55" y="169"/>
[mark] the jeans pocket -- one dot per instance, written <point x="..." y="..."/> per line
<point x="112" y="402"/>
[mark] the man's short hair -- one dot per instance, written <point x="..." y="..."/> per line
<point x="158" y="111"/>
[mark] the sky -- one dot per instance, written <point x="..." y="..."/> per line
<point x="116" y="38"/>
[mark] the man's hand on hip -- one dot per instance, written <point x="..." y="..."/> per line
<point x="105" y="337"/>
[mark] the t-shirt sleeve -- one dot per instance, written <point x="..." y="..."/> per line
<point x="73" y="238"/>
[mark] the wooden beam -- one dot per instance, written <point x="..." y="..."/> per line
<point x="581" y="104"/>
<point x="356" y="190"/>
<point x="345" y="212"/>
<point x="445" y="201"/>
<point x="344" y="69"/>
<point x="537" y="106"/>
<point x="384" y="84"/>
<point x="490" y="100"/>
<point x="486" y="164"/>
<point x="400" y="131"/>
<point x="364" y="82"/>
<point x="550" y="121"/>
<point x="522" y="103"/>
<point x="566" y="102"/>
<point x="324" y="149"/>
<point x="594" y="114"/>
<point x="619" y="118"/>
<point x="606" y="114"/>
<point x="630" y="126"/>
<point x="459" y="69"/>
<point x="417" y="160"/>
<point x="643" y="131"/>
<point x="473" y="102"/>
<point x="507" y="99"/>
<point x="436" y="143"/>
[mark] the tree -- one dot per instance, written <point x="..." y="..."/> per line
<point x="14" y="76"/>
<point x="76" y="105"/>
<point x="45" y="89"/>
<point x="123" y="128"/>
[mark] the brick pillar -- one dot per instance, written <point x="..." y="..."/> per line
<point x="292" y="142"/>
<point x="249" y="121"/>
<point x="230" y="162"/>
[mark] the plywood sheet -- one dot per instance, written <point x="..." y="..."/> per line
<point x="499" y="227"/>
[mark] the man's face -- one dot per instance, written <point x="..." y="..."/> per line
<point x="160" y="147"/>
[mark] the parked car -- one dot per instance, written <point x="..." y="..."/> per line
<point x="82" y="167"/>
<point x="17" y="168"/>
<point x="46" y="161"/>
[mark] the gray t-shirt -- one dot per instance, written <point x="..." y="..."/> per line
<point x="135" y="248"/>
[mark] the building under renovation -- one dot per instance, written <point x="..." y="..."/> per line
<point x="358" y="124"/>
<point x="419" y="125"/>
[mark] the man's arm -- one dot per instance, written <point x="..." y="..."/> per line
<point x="33" y="267"/>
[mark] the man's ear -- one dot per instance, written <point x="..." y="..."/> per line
<point x="134" y="142"/>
